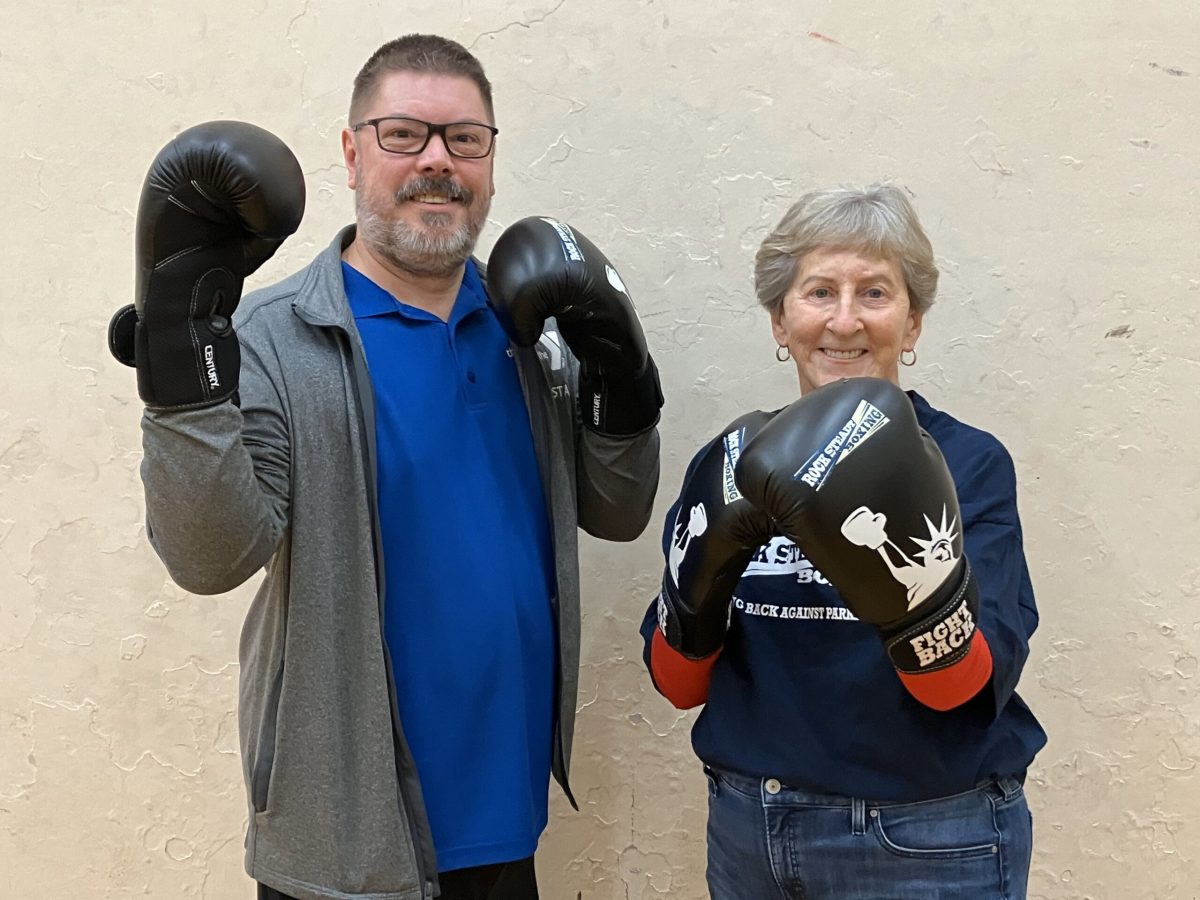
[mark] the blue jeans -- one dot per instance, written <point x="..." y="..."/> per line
<point x="767" y="841"/>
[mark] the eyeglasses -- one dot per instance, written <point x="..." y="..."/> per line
<point x="468" y="140"/>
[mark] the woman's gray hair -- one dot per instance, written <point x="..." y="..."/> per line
<point x="877" y="220"/>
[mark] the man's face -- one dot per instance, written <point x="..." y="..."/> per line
<point x="421" y="212"/>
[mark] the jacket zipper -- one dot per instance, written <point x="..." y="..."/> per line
<point x="423" y="851"/>
<point x="540" y="425"/>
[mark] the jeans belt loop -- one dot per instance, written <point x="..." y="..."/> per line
<point x="858" y="816"/>
<point x="1009" y="786"/>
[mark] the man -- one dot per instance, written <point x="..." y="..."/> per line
<point x="410" y="475"/>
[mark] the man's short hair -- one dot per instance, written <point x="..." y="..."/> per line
<point x="427" y="53"/>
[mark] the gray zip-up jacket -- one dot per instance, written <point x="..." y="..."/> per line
<point x="287" y="482"/>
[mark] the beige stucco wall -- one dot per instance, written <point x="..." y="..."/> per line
<point x="1051" y="149"/>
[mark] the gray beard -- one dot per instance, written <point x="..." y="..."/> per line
<point x="416" y="252"/>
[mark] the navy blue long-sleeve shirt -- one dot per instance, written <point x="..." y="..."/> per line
<point x="804" y="692"/>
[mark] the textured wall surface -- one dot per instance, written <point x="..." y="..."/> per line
<point x="1051" y="150"/>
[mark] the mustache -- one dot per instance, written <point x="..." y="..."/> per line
<point x="426" y="185"/>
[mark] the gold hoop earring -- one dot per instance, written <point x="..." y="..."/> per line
<point x="783" y="353"/>
<point x="911" y="362"/>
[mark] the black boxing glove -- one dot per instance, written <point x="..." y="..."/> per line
<point x="216" y="204"/>
<point x="711" y="539"/>
<point x="848" y="474"/>
<point x="540" y="268"/>
<point x="715" y="533"/>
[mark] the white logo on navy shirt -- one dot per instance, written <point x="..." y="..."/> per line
<point x="781" y="557"/>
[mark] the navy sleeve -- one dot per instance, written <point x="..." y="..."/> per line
<point x="1008" y="616"/>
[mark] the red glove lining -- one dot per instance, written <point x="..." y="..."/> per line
<point x="681" y="680"/>
<point x="956" y="684"/>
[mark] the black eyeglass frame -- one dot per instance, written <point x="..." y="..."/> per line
<point x="433" y="128"/>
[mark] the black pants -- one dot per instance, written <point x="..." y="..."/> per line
<point x="502" y="881"/>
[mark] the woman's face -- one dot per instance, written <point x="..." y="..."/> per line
<point x="846" y="315"/>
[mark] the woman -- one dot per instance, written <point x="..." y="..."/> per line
<point x="830" y="778"/>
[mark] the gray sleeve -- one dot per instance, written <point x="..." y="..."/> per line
<point x="617" y="481"/>
<point x="216" y="482"/>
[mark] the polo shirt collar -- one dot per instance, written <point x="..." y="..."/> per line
<point x="368" y="299"/>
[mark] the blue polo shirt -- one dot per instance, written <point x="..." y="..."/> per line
<point x="468" y="566"/>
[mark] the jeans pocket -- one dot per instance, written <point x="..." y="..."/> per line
<point x="710" y="778"/>
<point x="744" y="787"/>
<point x="960" y="827"/>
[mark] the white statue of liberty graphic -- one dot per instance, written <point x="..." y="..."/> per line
<point x="868" y="529"/>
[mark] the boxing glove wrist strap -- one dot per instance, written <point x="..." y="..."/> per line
<point x="941" y="638"/>
<point x="620" y="405"/>
<point x="685" y="632"/>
